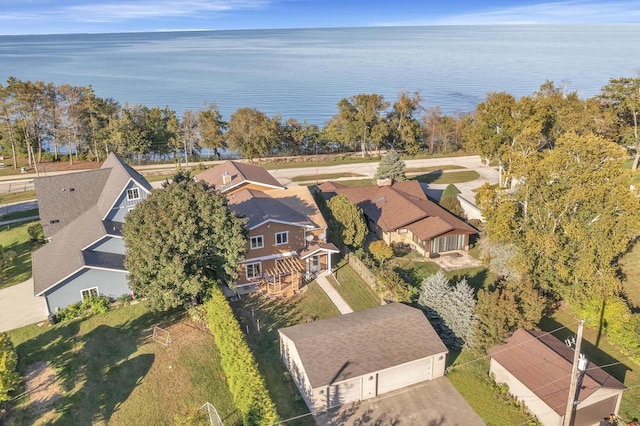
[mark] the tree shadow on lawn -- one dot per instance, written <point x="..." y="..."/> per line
<point x="593" y="353"/>
<point x="101" y="360"/>
<point x="429" y="177"/>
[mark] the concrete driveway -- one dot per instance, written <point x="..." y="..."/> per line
<point x="432" y="403"/>
<point x="19" y="307"/>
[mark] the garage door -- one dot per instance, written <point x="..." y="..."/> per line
<point x="592" y="414"/>
<point x="404" y="375"/>
<point x="344" y="392"/>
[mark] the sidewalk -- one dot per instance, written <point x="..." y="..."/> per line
<point x="22" y="219"/>
<point x="337" y="300"/>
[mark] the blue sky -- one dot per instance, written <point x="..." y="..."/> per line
<point x="97" y="16"/>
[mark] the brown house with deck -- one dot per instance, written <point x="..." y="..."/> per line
<point x="287" y="245"/>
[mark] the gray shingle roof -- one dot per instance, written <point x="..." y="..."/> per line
<point x="351" y="345"/>
<point x="259" y="207"/>
<point x="80" y="215"/>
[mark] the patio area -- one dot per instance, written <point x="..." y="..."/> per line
<point x="455" y="260"/>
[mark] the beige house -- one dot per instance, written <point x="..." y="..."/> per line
<point x="361" y="355"/>
<point x="402" y="213"/>
<point x="287" y="245"/>
<point x="537" y="368"/>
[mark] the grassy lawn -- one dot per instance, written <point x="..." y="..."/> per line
<point x="109" y="371"/>
<point x="15" y="197"/>
<point x="273" y="314"/>
<point x="433" y="168"/>
<point x="601" y="352"/>
<point x="469" y="374"/>
<point x="438" y="177"/>
<point x="15" y="238"/>
<point x="323" y="177"/>
<point x="630" y="264"/>
<point x="353" y="289"/>
<point x="19" y="215"/>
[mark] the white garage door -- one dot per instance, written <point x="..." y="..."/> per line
<point x="404" y="375"/>
<point x="344" y="392"/>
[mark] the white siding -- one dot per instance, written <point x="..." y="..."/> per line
<point x="344" y="392"/>
<point x="404" y="375"/>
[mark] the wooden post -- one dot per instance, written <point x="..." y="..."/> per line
<point x="571" y="399"/>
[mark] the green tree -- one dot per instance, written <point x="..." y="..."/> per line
<point x="359" y="121"/>
<point x="571" y="216"/>
<point x="180" y="238"/>
<point x="350" y="220"/>
<point x="392" y="167"/>
<point x="8" y="376"/>
<point x="381" y="251"/>
<point x="510" y="305"/>
<point x="622" y="95"/>
<point x="6" y="260"/>
<point x="449" y="200"/>
<point x="404" y="127"/>
<point x="212" y="128"/>
<point x="252" y="133"/>
<point x="36" y="234"/>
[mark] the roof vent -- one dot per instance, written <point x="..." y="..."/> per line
<point x="52" y="221"/>
<point x="71" y="189"/>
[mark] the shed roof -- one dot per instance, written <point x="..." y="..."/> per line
<point x="340" y="348"/>
<point x="543" y="364"/>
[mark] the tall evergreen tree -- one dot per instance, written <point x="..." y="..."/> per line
<point x="392" y="167"/>
<point x="350" y="220"/>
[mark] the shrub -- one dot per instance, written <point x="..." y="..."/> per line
<point x="393" y="282"/>
<point x="8" y="376"/>
<point x="247" y="386"/>
<point x="36" y="235"/>
<point x="381" y="251"/>
<point x="89" y="306"/>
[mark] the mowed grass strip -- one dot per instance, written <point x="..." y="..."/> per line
<point x="16" y="197"/>
<point x="353" y="289"/>
<point x="469" y="374"/>
<point x="261" y="317"/>
<point x="15" y="238"/>
<point x="630" y="264"/>
<point x="19" y="215"/>
<point x="110" y="371"/>
<point x="433" y="168"/>
<point x="323" y="177"/>
<point x="438" y="177"/>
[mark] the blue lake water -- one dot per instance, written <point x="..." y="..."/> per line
<point x="303" y="73"/>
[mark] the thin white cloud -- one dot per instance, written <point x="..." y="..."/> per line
<point x="128" y="10"/>
<point x="572" y="11"/>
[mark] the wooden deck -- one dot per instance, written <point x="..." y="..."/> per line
<point x="285" y="279"/>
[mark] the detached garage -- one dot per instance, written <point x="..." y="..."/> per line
<point x="537" y="368"/>
<point x="361" y="355"/>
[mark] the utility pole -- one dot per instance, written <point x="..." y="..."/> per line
<point x="571" y="399"/>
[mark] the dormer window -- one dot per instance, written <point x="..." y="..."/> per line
<point x="133" y="194"/>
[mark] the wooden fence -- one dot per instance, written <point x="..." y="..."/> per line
<point x="368" y="277"/>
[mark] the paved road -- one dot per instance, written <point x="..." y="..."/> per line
<point x="473" y="162"/>
<point x="19" y="307"/>
<point x="20" y="206"/>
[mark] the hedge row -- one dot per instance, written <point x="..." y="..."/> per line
<point x="247" y="386"/>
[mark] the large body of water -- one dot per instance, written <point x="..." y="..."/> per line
<point x="303" y="73"/>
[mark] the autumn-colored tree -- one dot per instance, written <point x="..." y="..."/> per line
<point x="380" y="251"/>
<point x="8" y="376"/>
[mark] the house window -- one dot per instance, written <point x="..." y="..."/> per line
<point x="452" y="242"/>
<point x="282" y="237"/>
<point x="133" y="194"/>
<point x="257" y="242"/>
<point x="402" y="231"/>
<point x="89" y="292"/>
<point x="253" y="270"/>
